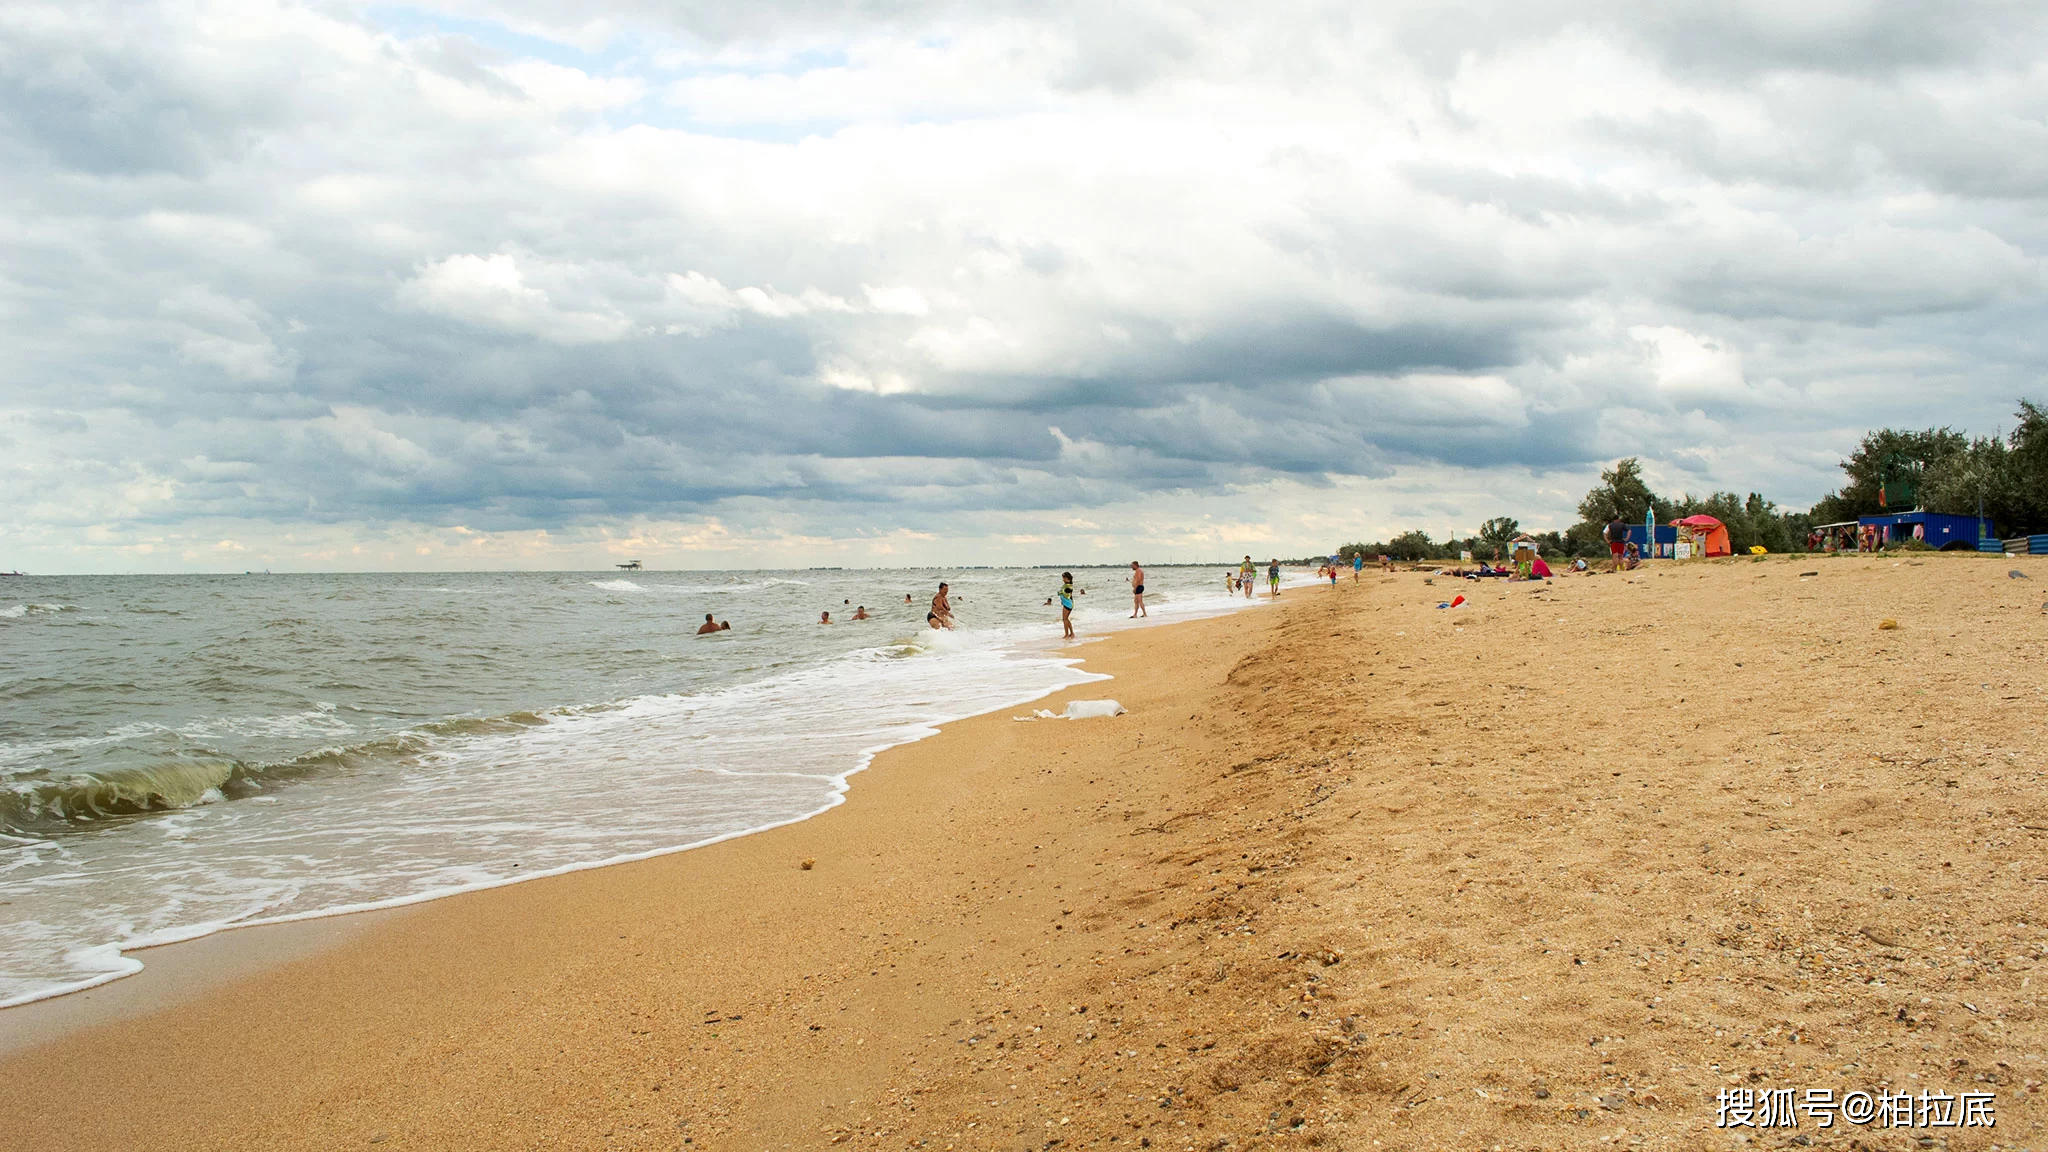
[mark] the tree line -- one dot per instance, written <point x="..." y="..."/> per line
<point x="1891" y="470"/>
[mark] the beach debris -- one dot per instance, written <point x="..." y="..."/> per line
<point x="1877" y="935"/>
<point x="808" y="864"/>
<point x="2016" y="574"/>
<point x="1888" y="625"/>
<point x="1078" y="710"/>
<point x="1804" y="575"/>
<point x="1452" y="603"/>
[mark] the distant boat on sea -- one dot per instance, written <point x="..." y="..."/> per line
<point x="630" y="565"/>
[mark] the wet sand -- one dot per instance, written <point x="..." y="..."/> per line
<point x="1545" y="871"/>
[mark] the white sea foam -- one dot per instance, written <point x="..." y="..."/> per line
<point x="459" y="806"/>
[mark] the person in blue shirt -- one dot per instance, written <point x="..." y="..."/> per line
<point x="1067" y="604"/>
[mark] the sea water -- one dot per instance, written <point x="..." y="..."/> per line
<point x="180" y="754"/>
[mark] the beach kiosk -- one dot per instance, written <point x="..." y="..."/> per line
<point x="1938" y="530"/>
<point x="1654" y="541"/>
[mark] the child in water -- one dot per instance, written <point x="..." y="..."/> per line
<point x="1067" y="604"/>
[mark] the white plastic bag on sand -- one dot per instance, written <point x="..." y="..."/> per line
<point x="1078" y="710"/>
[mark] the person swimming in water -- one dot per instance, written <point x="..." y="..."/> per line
<point x="709" y="626"/>
<point x="861" y="613"/>
<point x="824" y="617"/>
<point x="1066" y="604"/>
<point x="941" y="614"/>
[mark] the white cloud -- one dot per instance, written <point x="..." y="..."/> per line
<point x="492" y="292"/>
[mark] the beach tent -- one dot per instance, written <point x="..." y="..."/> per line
<point x="1709" y="530"/>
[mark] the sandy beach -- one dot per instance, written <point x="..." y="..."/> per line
<point x="1547" y="870"/>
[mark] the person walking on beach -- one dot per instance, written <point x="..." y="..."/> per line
<point x="1273" y="575"/>
<point x="1357" y="565"/>
<point x="1617" y="541"/>
<point x="1067" y="604"/>
<point x="1137" y="590"/>
<point x="1247" y="575"/>
<point x="941" y="614"/>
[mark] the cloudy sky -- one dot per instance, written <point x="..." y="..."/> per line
<point x="532" y="284"/>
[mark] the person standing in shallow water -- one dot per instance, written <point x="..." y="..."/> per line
<point x="941" y="613"/>
<point x="1273" y="575"/>
<point x="709" y="626"/>
<point x="1137" y="591"/>
<point x="1247" y="576"/>
<point x="1067" y="604"/>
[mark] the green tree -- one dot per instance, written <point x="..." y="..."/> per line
<point x="1769" y="526"/>
<point x="1496" y="533"/>
<point x="1982" y="475"/>
<point x="1621" y="492"/>
<point x="1585" y="539"/>
<point x="2007" y="476"/>
<point x="2030" y="467"/>
<point x="1411" y="545"/>
<point x="1887" y="470"/>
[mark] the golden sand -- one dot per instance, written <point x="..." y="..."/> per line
<point x="1549" y="870"/>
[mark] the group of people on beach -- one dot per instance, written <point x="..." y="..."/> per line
<point x="1246" y="577"/>
<point x="1335" y="565"/>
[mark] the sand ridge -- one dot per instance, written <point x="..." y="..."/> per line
<point x="1545" y="871"/>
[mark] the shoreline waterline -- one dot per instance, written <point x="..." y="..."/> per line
<point x="1055" y="659"/>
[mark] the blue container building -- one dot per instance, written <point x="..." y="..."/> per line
<point x="1939" y="529"/>
<point x="1665" y="546"/>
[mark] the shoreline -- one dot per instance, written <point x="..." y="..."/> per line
<point x="205" y="957"/>
<point x="1550" y="870"/>
<point x="162" y="942"/>
<point x="470" y="965"/>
